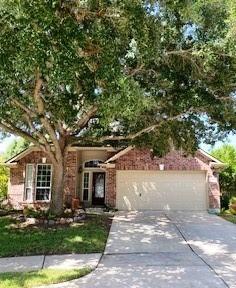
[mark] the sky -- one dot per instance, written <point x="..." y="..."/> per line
<point x="231" y="139"/>
<point x="5" y="143"/>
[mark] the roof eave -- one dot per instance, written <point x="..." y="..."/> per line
<point x="209" y="156"/>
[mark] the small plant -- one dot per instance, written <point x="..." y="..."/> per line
<point x="31" y="212"/>
<point x="232" y="205"/>
<point x="109" y="209"/>
<point x="68" y="213"/>
<point x="51" y="216"/>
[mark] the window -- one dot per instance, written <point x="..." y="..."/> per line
<point x="86" y="186"/>
<point x="43" y="182"/>
<point x="92" y="163"/>
<point x="29" y="176"/>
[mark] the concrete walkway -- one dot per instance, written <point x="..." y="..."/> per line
<point x="156" y="249"/>
<point x="30" y="263"/>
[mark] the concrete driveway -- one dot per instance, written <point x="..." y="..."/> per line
<point x="173" y="249"/>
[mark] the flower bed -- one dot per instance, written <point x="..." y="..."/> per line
<point x="32" y="217"/>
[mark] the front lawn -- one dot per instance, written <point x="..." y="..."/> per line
<point x="86" y="237"/>
<point x="229" y="217"/>
<point x="41" y="277"/>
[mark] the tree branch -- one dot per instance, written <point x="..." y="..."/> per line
<point x="43" y="118"/>
<point x="143" y="131"/>
<point x="40" y="136"/>
<point x="28" y="115"/>
<point x="24" y="108"/>
<point x="86" y="117"/>
<point x="133" y="72"/>
<point x="186" y="54"/>
<point x="37" y="98"/>
<point x="11" y="128"/>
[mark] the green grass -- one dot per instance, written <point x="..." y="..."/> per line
<point x="87" y="237"/>
<point x="229" y="217"/>
<point x="40" y="277"/>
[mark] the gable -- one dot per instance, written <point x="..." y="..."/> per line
<point x="202" y="155"/>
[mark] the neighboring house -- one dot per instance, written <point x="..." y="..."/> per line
<point x="127" y="179"/>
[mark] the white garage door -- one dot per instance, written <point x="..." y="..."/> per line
<point x="161" y="190"/>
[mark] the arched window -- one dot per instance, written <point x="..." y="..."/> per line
<point x="92" y="163"/>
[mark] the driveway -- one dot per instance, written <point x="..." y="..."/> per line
<point x="172" y="249"/>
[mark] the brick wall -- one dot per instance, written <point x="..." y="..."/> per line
<point x="17" y="177"/>
<point x="133" y="160"/>
<point x="70" y="177"/>
<point x="144" y="160"/>
<point x="110" y="185"/>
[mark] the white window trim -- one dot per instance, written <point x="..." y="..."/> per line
<point x="36" y="174"/>
<point x="89" y="186"/>
<point x="31" y="187"/>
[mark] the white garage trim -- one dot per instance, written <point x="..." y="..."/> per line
<point x="161" y="190"/>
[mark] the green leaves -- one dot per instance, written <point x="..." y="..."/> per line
<point x="139" y="62"/>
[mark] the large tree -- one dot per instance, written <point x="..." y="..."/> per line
<point x="118" y="72"/>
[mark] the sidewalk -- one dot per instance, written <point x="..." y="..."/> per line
<point x="30" y="263"/>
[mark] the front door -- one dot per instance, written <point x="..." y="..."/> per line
<point x="98" y="188"/>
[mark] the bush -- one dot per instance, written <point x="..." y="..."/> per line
<point x="31" y="212"/>
<point x="228" y="186"/>
<point x="4" y="175"/>
<point x="227" y="154"/>
<point x="232" y="205"/>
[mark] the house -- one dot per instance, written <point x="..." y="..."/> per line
<point x="127" y="179"/>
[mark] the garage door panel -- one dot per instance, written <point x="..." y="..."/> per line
<point x="161" y="190"/>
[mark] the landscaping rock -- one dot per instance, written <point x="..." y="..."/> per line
<point x="45" y="222"/>
<point x="32" y="221"/>
<point x="20" y="218"/>
<point x="41" y="221"/>
<point x="3" y="213"/>
<point x="69" y="220"/>
<point x="57" y="221"/>
<point x="62" y="221"/>
<point x="68" y="211"/>
<point x="51" y="222"/>
<point x="79" y="211"/>
<point x="75" y="219"/>
<point x="81" y="217"/>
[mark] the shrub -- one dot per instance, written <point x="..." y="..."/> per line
<point x="31" y="212"/>
<point x="227" y="154"/>
<point x="4" y="175"/>
<point x="232" y="205"/>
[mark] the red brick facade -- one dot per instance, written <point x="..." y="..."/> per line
<point x="110" y="196"/>
<point x="144" y="160"/>
<point x="17" y="178"/>
<point x="133" y="160"/>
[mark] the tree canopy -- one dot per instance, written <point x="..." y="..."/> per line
<point x="227" y="154"/>
<point x="99" y="72"/>
<point x="126" y="65"/>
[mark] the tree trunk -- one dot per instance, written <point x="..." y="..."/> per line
<point x="57" y="196"/>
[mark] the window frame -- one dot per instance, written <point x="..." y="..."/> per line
<point x="88" y="188"/>
<point x="46" y="187"/>
<point x="94" y="167"/>
<point x="32" y="187"/>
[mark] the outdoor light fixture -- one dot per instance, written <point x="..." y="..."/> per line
<point x="44" y="160"/>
